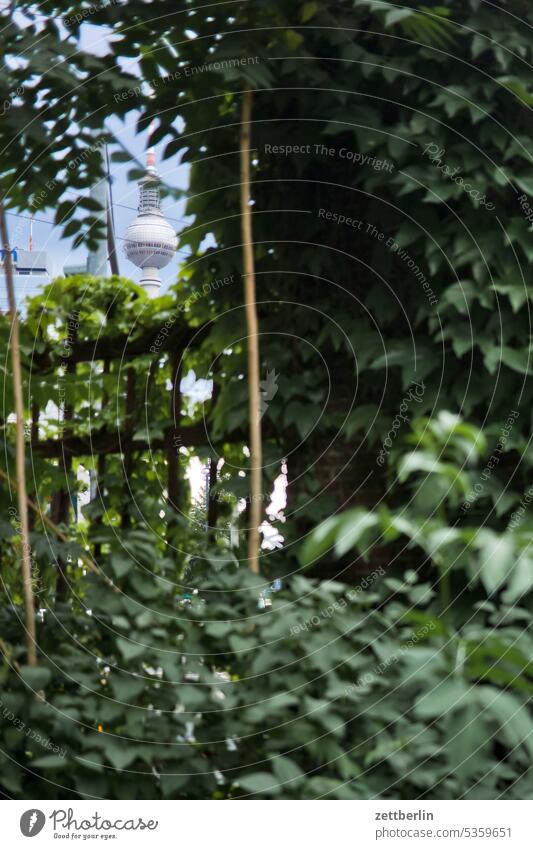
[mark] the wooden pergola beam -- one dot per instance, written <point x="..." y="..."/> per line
<point x="123" y="346"/>
<point x="105" y="442"/>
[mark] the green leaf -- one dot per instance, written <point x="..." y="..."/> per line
<point x="521" y="579"/>
<point x="172" y="784"/>
<point x="294" y="39"/>
<point x="121" y="564"/>
<point x="320" y="541"/>
<point x="120" y="756"/>
<point x="49" y="762"/>
<point x="130" y="650"/>
<point x="127" y="689"/>
<point x="309" y="10"/>
<point x="397" y="15"/>
<point x="351" y="530"/>
<point x="513" y="718"/>
<point x="286" y="770"/>
<point x="35" y="677"/>
<point x="497" y="558"/>
<point x="260" y="783"/>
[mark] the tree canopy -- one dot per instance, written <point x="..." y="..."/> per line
<point x="390" y="183"/>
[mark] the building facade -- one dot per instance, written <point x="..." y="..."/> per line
<point x="30" y="275"/>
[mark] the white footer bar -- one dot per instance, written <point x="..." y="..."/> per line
<point x="268" y="824"/>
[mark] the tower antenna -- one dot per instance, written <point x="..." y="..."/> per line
<point x="150" y="153"/>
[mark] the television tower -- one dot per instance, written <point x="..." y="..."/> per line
<point x="150" y="242"/>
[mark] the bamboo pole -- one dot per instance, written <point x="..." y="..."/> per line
<point x="173" y="466"/>
<point x="29" y="602"/>
<point x="253" y="337"/>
